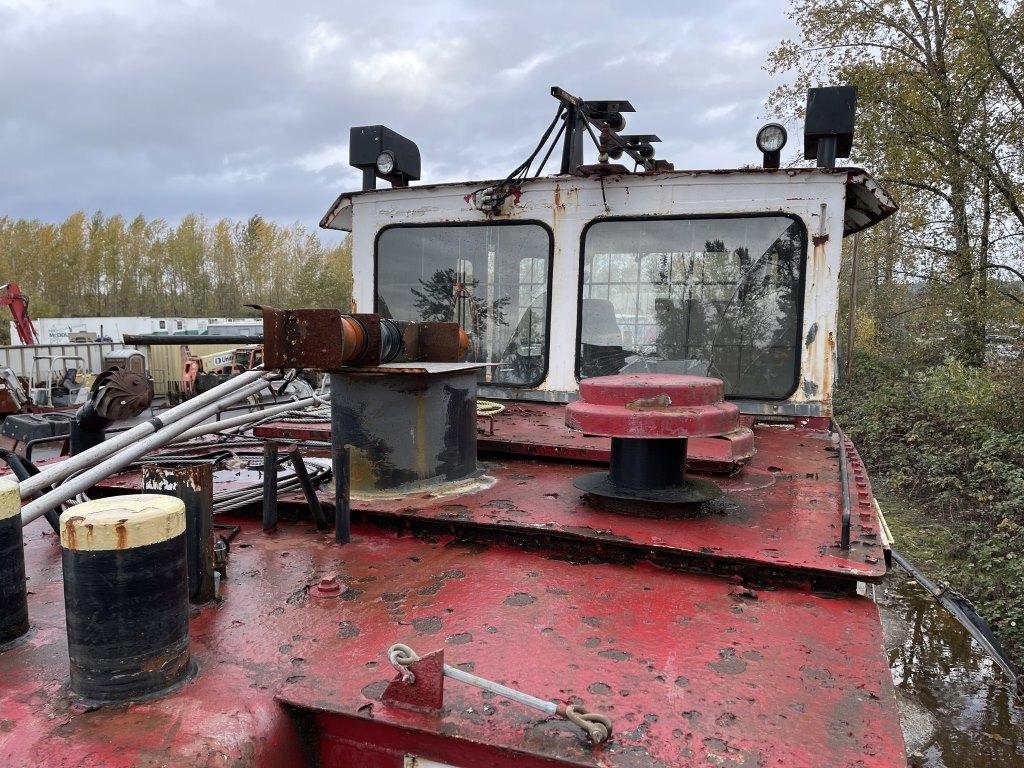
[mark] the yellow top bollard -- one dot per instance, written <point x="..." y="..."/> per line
<point x="122" y="522"/>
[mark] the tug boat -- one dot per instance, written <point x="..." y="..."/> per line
<point x="589" y="506"/>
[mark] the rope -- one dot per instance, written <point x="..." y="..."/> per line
<point x="488" y="408"/>
<point x="401" y="656"/>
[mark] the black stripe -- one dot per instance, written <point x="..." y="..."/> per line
<point x="127" y="619"/>
<point x="13" y="593"/>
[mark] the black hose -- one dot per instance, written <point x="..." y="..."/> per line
<point x="23" y="469"/>
<point x="964" y="612"/>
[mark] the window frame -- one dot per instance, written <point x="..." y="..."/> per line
<point x="452" y="224"/>
<point x="801" y="291"/>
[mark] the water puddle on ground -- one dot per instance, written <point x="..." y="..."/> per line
<point x="955" y="707"/>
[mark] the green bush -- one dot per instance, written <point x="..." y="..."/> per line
<point x="950" y="438"/>
<point x="991" y="577"/>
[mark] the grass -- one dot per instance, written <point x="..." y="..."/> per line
<point x="945" y="447"/>
<point x="919" y="536"/>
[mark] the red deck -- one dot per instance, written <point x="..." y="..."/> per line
<point x="538" y="429"/>
<point x="692" y="669"/>
<point x="782" y="511"/>
<point x="522" y="581"/>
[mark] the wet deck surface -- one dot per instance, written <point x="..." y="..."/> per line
<point x="692" y="669"/>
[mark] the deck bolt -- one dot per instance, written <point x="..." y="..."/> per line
<point x="328" y="587"/>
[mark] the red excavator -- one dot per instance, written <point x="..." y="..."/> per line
<point x="11" y="296"/>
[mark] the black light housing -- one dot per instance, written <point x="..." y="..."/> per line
<point x="829" y="122"/>
<point x="770" y="140"/>
<point x="375" y="148"/>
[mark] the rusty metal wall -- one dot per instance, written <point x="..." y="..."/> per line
<point x="405" y="430"/>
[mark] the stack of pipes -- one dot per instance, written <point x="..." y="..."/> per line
<point x="80" y="472"/>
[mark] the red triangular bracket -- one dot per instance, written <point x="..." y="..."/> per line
<point x="424" y="695"/>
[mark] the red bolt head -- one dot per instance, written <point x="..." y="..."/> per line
<point x="329" y="587"/>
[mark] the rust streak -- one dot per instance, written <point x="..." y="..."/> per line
<point x="122" y="533"/>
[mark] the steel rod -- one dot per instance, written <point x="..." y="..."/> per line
<point x="942" y="596"/>
<point x="342" y="510"/>
<point x="147" y="442"/>
<point x="245" y="418"/>
<point x="501" y="690"/>
<point x="851" y="330"/>
<point x="153" y="340"/>
<point x="307" y="489"/>
<point x="269" y="486"/>
<point x="844" y="480"/>
<point x="58" y="472"/>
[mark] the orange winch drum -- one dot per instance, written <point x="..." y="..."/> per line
<point x="354" y="338"/>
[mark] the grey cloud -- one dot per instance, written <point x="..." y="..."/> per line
<point x="236" y="108"/>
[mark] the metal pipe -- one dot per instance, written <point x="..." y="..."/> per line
<point x="149" y="441"/>
<point x="58" y="472"/>
<point x="644" y="464"/>
<point x="152" y="340"/>
<point x="851" y="323"/>
<point x="269" y="486"/>
<point x="342" y="500"/>
<point x="193" y="484"/>
<point x="23" y="470"/>
<point x="245" y="418"/>
<point x="844" y="481"/>
<point x="963" y="611"/>
<point x="307" y="489"/>
<point x="483" y="683"/>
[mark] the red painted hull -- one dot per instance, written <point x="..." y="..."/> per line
<point x="744" y="663"/>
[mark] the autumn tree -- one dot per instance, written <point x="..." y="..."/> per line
<point x="100" y="265"/>
<point x="941" y="122"/>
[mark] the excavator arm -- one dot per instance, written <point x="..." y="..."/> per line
<point x="11" y="296"/>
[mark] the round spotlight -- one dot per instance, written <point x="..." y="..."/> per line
<point x="385" y="163"/>
<point x="616" y="122"/>
<point x="615" y="153"/>
<point x="645" y="151"/>
<point x="771" y="138"/>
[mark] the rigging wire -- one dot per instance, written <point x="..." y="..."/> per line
<point x="504" y="189"/>
<point x="551" y="149"/>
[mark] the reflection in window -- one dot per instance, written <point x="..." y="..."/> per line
<point x="492" y="280"/>
<point x="716" y="297"/>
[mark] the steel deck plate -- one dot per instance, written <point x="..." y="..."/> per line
<point x="783" y="511"/>
<point x="782" y="514"/>
<point x="693" y="669"/>
<point x="538" y="429"/>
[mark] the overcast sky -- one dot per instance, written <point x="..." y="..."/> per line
<point x="235" y="108"/>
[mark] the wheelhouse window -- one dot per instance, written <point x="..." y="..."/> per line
<point x="491" y="279"/>
<point x="708" y="296"/>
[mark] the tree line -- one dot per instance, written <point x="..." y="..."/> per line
<point x="934" y="400"/>
<point x="109" y="265"/>
<point x="941" y="125"/>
